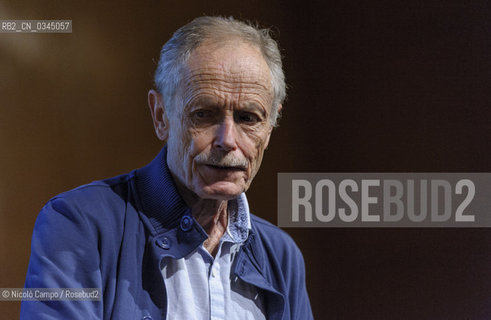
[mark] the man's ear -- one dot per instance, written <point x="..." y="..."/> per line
<point x="159" y="116"/>
<point x="271" y="128"/>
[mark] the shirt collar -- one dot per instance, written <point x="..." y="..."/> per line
<point x="239" y="220"/>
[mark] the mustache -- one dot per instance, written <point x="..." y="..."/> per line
<point x="222" y="160"/>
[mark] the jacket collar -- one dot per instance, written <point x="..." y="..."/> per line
<point x="161" y="202"/>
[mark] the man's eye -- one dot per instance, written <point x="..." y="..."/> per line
<point x="247" y="117"/>
<point x="202" y="114"/>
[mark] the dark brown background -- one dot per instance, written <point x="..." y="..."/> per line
<point x="375" y="86"/>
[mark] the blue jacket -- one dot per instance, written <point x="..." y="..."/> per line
<point x="113" y="234"/>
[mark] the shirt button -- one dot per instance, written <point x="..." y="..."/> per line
<point x="186" y="223"/>
<point x="213" y="274"/>
<point x="164" y="243"/>
<point x="147" y="318"/>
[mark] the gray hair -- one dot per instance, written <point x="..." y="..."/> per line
<point x="177" y="50"/>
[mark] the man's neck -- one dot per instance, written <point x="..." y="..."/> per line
<point x="211" y="214"/>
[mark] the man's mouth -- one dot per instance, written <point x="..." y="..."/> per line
<point x="227" y="168"/>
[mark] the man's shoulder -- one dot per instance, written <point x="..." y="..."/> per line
<point x="99" y="203"/>
<point x="114" y="186"/>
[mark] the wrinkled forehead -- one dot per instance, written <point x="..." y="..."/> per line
<point x="233" y="62"/>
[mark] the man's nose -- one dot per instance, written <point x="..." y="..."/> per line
<point x="226" y="134"/>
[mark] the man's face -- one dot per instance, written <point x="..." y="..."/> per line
<point x="220" y="124"/>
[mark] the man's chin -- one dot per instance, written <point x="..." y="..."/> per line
<point x="221" y="191"/>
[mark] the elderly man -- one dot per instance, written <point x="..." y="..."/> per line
<point x="175" y="239"/>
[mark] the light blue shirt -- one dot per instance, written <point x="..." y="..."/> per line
<point x="200" y="287"/>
